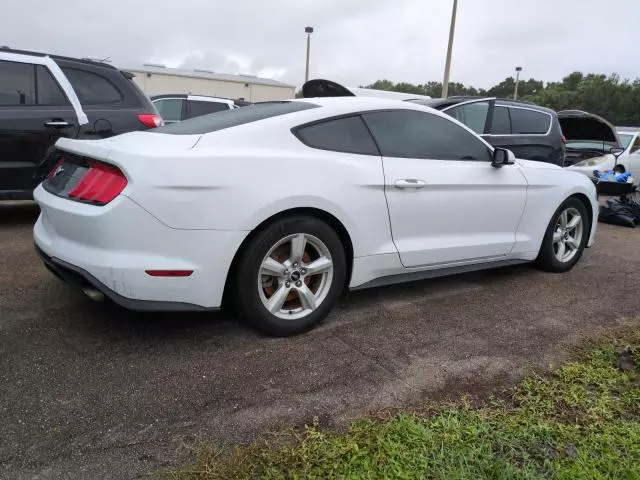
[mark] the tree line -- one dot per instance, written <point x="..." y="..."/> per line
<point x="616" y="99"/>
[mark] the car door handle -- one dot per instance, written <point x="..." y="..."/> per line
<point x="57" y="124"/>
<point x="410" y="183"/>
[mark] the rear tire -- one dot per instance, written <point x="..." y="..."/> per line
<point x="289" y="276"/>
<point x="565" y="238"/>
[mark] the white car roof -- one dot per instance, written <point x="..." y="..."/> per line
<point x="371" y="92"/>
<point x="355" y="104"/>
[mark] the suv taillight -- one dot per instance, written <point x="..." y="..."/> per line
<point x="87" y="181"/>
<point x="151" y="120"/>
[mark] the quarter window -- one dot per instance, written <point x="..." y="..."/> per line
<point x="414" y="134"/>
<point x="636" y="145"/>
<point x="524" y="121"/>
<point x="92" y="89"/>
<point x="501" y="123"/>
<point x="473" y="115"/>
<point x="170" y="109"/>
<point x="347" y="134"/>
<point x="49" y="92"/>
<point x="18" y="84"/>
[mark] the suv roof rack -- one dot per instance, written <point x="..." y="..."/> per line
<point x="61" y="57"/>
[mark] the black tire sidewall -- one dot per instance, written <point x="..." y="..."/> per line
<point x="546" y="258"/>
<point x="247" y="302"/>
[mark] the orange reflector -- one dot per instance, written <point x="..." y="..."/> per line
<point x="169" y="273"/>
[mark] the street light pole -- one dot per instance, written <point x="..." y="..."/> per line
<point x="447" y="65"/>
<point x="515" y="92"/>
<point x="308" y="31"/>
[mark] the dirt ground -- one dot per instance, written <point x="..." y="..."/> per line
<point x="91" y="391"/>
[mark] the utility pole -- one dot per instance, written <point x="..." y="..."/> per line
<point x="515" y="92"/>
<point x="447" y="65"/>
<point x="308" y="31"/>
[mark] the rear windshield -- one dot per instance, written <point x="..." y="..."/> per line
<point x="232" y="118"/>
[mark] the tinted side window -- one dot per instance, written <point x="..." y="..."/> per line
<point x="198" y="108"/>
<point x="473" y="115"/>
<point x="17" y="83"/>
<point x="49" y="92"/>
<point x="170" y="108"/>
<point x="341" y="135"/>
<point x="501" y="123"/>
<point x="92" y="89"/>
<point x="529" y="121"/>
<point x="415" y="134"/>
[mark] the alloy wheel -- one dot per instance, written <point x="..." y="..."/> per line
<point x="567" y="235"/>
<point x="295" y="276"/>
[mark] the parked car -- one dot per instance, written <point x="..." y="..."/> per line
<point x="595" y="155"/>
<point x="178" y="107"/>
<point x="278" y="207"/>
<point x="47" y="97"/>
<point x="327" y="88"/>
<point x="530" y="131"/>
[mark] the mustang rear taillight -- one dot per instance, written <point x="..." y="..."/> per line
<point x="151" y="120"/>
<point x="100" y="184"/>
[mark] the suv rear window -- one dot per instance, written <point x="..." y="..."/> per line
<point x="233" y="118"/>
<point x="525" y="121"/>
<point x="92" y="89"/>
<point x="197" y="108"/>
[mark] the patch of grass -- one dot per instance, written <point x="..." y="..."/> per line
<point x="581" y="421"/>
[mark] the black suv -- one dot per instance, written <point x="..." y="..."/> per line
<point x="531" y="132"/>
<point x="45" y="97"/>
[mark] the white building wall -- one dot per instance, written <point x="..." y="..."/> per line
<point x="156" y="84"/>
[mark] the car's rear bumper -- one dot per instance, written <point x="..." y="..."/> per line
<point x="83" y="280"/>
<point x="110" y="249"/>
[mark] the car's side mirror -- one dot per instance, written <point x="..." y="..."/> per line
<point x="502" y="157"/>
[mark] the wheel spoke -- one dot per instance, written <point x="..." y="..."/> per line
<point x="575" y="221"/>
<point x="275" y="302"/>
<point x="319" y="265"/>
<point x="298" y="245"/>
<point x="571" y="243"/>
<point x="561" y="250"/>
<point x="307" y="297"/>
<point x="557" y="236"/>
<point x="564" y="219"/>
<point x="272" y="268"/>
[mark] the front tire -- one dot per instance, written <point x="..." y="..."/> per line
<point x="565" y="238"/>
<point x="289" y="276"/>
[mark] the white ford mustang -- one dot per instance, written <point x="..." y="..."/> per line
<point x="276" y="208"/>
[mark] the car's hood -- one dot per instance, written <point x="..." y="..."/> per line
<point x="324" y="88"/>
<point x="583" y="126"/>
<point x="536" y="164"/>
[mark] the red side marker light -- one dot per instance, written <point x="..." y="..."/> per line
<point x="169" y="273"/>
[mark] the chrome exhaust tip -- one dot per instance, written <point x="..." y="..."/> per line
<point x="94" y="294"/>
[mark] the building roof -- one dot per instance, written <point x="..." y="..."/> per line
<point x="206" y="74"/>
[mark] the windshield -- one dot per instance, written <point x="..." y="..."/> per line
<point x="625" y="139"/>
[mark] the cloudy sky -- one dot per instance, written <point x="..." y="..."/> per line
<point x="355" y="41"/>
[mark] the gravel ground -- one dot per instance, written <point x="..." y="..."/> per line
<point x="92" y="391"/>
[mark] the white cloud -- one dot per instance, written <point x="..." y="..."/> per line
<point x="355" y="41"/>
